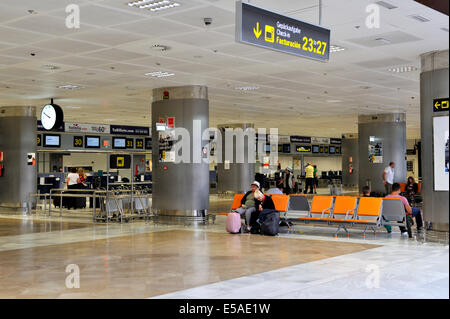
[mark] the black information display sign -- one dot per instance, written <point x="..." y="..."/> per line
<point x="139" y="143"/>
<point x="129" y="143"/>
<point x="440" y="105"/>
<point x="300" y="139"/>
<point x="303" y="148"/>
<point x="274" y="31"/>
<point x="120" y="161"/>
<point x="39" y="140"/>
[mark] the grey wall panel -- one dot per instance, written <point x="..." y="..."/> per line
<point x="393" y="137"/>
<point x="17" y="139"/>
<point x="350" y="149"/>
<point x="433" y="84"/>
<point x="183" y="186"/>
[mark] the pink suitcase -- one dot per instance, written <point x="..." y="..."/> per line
<point x="233" y="223"/>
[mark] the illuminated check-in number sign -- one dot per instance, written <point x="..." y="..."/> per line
<point x="39" y="140"/>
<point x="139" y="143"/>
<point x="130" y="143"/>
<point x="274" y="31"/>
<point x="120" y="161"/>
<point x="78" y="141"/>
<point x="440" y="105"/>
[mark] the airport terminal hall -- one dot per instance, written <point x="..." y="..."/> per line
<point x="224" y="158"/>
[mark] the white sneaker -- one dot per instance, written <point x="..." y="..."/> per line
<point x="404" y="233"/>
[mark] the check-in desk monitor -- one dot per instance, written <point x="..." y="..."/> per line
<point x="119" y="142"/>
<point x="51" y="140"/>
<point x="92" y="141"/>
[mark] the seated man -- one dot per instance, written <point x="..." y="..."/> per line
<point x="275" y="191"/>
<point x="249" y="203"/>
<point x="366" y="193"/>
<point x="410" y="212"/>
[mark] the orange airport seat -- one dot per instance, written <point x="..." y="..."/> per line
<point x="280" y="201"/>
<point x="343" y="209"/>
<point x="419" y="187"/>
<point x="402" y="187"/>
<point x="321" y="206"/>
<point x="236" y="203"/>
<point x="369" y="210"/>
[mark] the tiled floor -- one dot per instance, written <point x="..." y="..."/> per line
<point x="143" y="260"/>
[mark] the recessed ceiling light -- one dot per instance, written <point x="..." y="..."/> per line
<point x="159" y="47"/>
<point x="247" y="88"/>
<point x="70" y="87"/>
<point x="50" y="67"/>
<point x="383" y="40"/>
<point x="153" y="5"/>
<point x="419" y="18"/>
<point x="336" y="48"/>
<point x="386" y="5"/>
<point x="403" y="69"/>
<point x="159" y="74"/>
<point x="334" y="101"/>
<point x="109" y="120"/>
<point x="72" y="107"/>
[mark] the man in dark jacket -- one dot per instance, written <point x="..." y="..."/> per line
<point x="249" y="204"/>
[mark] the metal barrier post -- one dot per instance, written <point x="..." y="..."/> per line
<point x="50" y="205"/>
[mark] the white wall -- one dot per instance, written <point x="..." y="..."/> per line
<point x="326" y="163"/>
<point x="96" y="160"/>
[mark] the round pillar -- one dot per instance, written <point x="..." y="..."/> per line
<point x="381" y="140"/>
<point x="17" y="142"/>
<point x="434" y="85"/>
<point x="180" y="189"/>
<point x="235" y="177"/>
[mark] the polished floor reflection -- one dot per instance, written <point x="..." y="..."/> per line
<point x="145" y="265"/>
<point x="16" y="226"/>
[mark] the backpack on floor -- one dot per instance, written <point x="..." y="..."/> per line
<point x="271" y="224"/>
<point x="233" y="225"/>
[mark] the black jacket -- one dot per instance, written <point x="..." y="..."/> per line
<point x="268" y="203"/>
<point x="244" y="199"/>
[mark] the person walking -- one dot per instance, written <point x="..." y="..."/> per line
<point x="287" y="182"/>
<point x="388" y="177"/>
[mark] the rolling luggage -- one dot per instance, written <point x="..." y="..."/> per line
<point x="271" y="224"/>
<point x="233" y="223"/>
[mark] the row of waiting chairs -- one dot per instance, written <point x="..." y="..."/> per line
<point x="343" y="211"/>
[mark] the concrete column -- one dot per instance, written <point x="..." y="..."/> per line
<point x="389" y="130"/>
<point x="433" y="85"/>
<point x="17" y="139"/>
<point x="181" y="190"/>
<point x="350" y="160"/>
<point x="235" y="177"/>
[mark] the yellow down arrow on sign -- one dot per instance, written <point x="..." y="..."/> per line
<point x="257" y="31"/>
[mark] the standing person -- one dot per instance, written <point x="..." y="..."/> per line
<point x="249" y="204"/>
<point x="81" y="201"/>
<point x="316" y="179"/>
<point x="287" y="181"/>
<point x="309" y="174"/>
<point x="388" y="177"/>
<point x="410" y="212"/>
<point x="72" y="183"/>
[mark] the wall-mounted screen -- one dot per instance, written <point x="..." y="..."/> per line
<point x="441" y="155"/>
<point x="52" y="140"/>
<point x="92" y="141"/>
<point x="338" y="150"/>
<point x="280" y="148"/>
<point x="119" y="142"/>
<point x="267" y="148"/>
<point x="321" y="149"/>
<point x="148" y="143"/>
<point x="286" y="148"/>
<point x="316" y="149"/>
<point x="332" y="150"/>
<point x="325" y="149"/>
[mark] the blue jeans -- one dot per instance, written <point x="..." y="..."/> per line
<point x="414" y="214"/>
